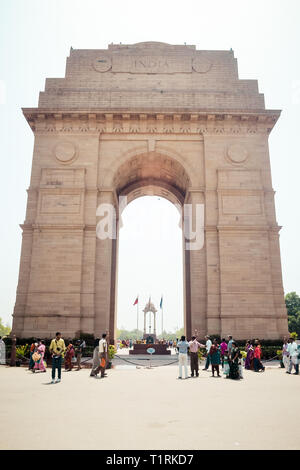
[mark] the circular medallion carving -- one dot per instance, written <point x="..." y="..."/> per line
<point x="102" y="64"/>
<point x="201" y="65"/>
<point x="237" y="153"/>
<point x="65" y="152"/>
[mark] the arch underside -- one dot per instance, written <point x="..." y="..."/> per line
<point x="152" y="174"/>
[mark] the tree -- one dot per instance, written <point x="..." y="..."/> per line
<point x="292" y="302"/>
<point x="126" y="334"/>
<point x="4" y="330"/>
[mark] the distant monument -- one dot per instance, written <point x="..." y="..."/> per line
<point x="150" y="337"/>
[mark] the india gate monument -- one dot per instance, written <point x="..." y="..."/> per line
<point x="150" y="119"/>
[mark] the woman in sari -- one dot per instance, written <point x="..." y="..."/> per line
<point x="250" y="355"/>
<point x="234" y="362"/>
<point x="69" y="356"/>
<point x="215" y="357"/>
<point x="39" y="355"/>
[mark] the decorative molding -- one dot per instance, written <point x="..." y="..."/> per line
<point x="118" y="122"/>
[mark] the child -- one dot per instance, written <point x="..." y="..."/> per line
<point x="241" y="366"/>
<point x="226" y="364"/>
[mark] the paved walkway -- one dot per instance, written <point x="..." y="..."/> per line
<point x="148" y="409"/>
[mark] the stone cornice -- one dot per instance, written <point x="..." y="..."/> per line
<point x="210" y="122"/>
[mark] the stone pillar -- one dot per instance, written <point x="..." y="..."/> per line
<point x="144" y="323"/>
<point x="194" y="271"/>
<point x="105" y="271"/>
<point x="13" y="352"/>
<point x="154" y="315"/>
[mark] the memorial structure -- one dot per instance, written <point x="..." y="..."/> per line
<point x="150" y="309"/>
<point x="150" y="119"/>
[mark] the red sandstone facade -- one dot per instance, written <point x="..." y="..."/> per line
<point x="150" y="118"/>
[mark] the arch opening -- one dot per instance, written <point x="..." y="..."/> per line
<point x="150" y="267"/>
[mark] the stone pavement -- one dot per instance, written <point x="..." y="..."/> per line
<point x="148" y="409"/>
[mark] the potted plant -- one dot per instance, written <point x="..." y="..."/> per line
<point x="279" y="355"/>
<point x="111" y="354"/>
<point x="21" y="352"/>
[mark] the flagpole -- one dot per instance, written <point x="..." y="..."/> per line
<point x="162" y="316"/>
<point x="137" y="316"/>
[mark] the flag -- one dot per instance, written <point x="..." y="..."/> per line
<point x="161" y="302"/>
<point x="136" y="300"/>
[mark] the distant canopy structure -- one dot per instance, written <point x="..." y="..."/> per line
<point x="149" y="308"/>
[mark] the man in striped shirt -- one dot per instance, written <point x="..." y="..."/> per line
<point x="194" y="348"/>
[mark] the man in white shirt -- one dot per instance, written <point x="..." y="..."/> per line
<point x="293" y="354"/>
<point x="207" y="347"/>
<point x="103" y="354"/>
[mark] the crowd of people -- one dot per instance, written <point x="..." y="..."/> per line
<point x="58" y="351"/>
<point x="226" y="354"/>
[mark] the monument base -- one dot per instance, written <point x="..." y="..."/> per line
<point x="142" y="349"/>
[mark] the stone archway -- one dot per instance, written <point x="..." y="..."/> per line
<point x="141" y="119"/>
<point x="151" y="174"/>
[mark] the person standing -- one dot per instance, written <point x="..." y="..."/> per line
<point x="257" y="358"/>
<point x="2" y="352"/>
<point x="207" y="347"/>
<point x="285" y="353"/>
<point x="223" y="348"/>
<point x="31" y="361"/>
<point x="234" y="362"/>
<point x="229" y="346"/>
<point x="69" y="356"/>
<point x="250" y="355"/>
<point x="78" y="353"/>
<point x="57" y="350"/>
<point x="293" y="354"/>
<point x="215" y="358"/>
<point x="182" y="347"/>
<point x="39" y="364"/>
<point x="194" y="348"/>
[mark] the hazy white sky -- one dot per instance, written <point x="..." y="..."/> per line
<point x="35" y="39"/>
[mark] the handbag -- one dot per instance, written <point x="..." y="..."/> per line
<point x="102" y="362"/>
<point x="36" y="356"/>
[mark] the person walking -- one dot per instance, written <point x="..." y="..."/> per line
<point x="40" y="353"/>
<point x="182" y="347"/>
<point x="215" y="358"/>
<point x="293" y="354"/>
<point x="103" y="351"/>
<point x="57" y="350"/>
<point x="257" y="358"/>
<point x="96" y="360"/>
<point x="207" y="347"/>
<point x="102" y="357"/>
<point x="194" y="348"/>
<point x="78" y="353"/>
